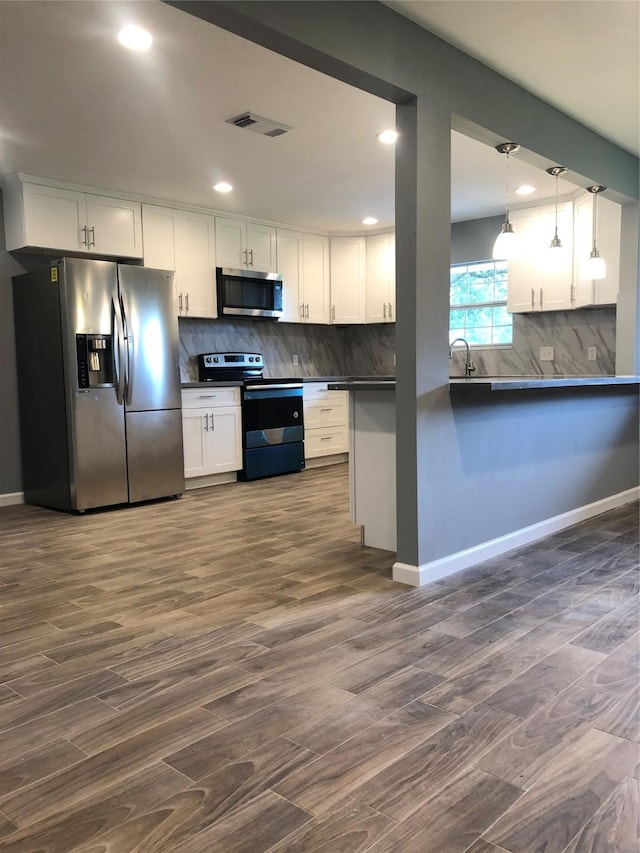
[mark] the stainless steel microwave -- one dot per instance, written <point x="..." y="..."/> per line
<point x="247" y="293"/>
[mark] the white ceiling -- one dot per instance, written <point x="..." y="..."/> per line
<point x="582" y="56"/>
<point x="76" y="106"/>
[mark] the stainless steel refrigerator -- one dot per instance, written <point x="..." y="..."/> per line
<point x="99" y="384"/>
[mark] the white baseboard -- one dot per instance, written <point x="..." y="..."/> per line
<point x="322" y="461"/>
<point x="445" y="566"/>
<point x="11" y="498"/>
<point x="210" y="480"/>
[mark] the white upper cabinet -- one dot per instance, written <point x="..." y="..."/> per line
<point x="289" y="251"/>
<point x="303" y="261"/>
<point x="381" y="278"/>
<point x="609" y="214"/>
<point x="183" y="241"/>
<point x="245" y="245"/>
<point x="316" y="281"/>
<point x="541" y="279"/>
<point x="63" y="220"/>
<point x="348" y="280"/>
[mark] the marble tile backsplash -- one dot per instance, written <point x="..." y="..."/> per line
<point x="570" y="333"/>
<point x="369" y="350"/>
<point x="319" y="348"/>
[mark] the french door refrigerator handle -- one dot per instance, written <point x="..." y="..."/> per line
<point x="119" y="344"/>
<point x="129" y="345"/>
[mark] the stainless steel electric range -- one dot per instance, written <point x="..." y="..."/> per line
<point x="272" y="414"/>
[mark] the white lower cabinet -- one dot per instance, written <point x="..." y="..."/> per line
<point x="212" y="435"/>
<point x="326" y="421"/>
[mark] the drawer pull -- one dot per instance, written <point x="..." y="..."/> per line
<point x="207" y="396"/>
<point x="326" y="438"/>
<point x="326" y="410"/>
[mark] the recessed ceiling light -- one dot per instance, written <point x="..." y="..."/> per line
<point x="388" y="136"/>
<point x="369" y="220"/>
<point x="135" y="38"/>
<point x="222" y="187"/>
<point x="525" y="189"/>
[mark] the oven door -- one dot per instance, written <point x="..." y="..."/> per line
<point x="272" y="415"/>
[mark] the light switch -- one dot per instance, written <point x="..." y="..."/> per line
<point x="546" y="353"/>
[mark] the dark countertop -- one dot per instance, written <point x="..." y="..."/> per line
<point x="186" y="385"/>
<point x="518" y="383"/>
<point x="459" y="385"/>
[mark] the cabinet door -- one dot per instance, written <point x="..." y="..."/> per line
<point x="524" y="272"/>
<point x="195" y="265"/>
<point x="115" y="226"/>
<point x="380" y="264"/>
<point x="54" y="218"/>
<point x="195" y="443"/>
<point x="316" y="288"/>
<point x="231" y="243"/>
<point x="555" y="265"/>
<point x="261" y="246"/>
<point x="159" y="237"/>
<point x="602" y="291"/>
<point x="224" y="440"/>
<point x="348" y="279"/>
<point x="289" y="253"/>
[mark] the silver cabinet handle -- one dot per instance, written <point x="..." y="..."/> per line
<point x="301" y="312"/>
<point x="246" y="256"/>
<point x="186" y="300"/>
<point x="206" y="422"/>
<point x="306" y="311"/>
<point x="251" y="261"/>
<point x="326" y="410"/>
<point x="83" y="241"/>
<point x="390" y="311"/>
<point x="207" y="396"/>
<point x="179" y="302"/>
<point x="326" y="437"/>
<point x="333" y="313"/>
<point x="572" y="294"/>
<point x="213" y="424"/>
<point x="533" y="299"/>
<point x="92" y="231"/>
<point x="384" y="310"/>
<point x="541" y="298"/>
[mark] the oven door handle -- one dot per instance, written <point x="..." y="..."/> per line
<point x="271" y="387"/>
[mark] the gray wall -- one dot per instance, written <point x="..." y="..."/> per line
<point x="434" y="87"/>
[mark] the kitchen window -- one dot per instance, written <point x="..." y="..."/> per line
<point x="478" y="303"/>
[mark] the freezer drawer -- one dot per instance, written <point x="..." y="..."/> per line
<point x="154" y="454"/>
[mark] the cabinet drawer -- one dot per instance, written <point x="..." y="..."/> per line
<point x="209" y="398"/>
<point x="325" y="413"/>
<point x="324" y="442"/>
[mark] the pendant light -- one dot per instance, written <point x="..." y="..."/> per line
<point x="506" y="245"/>
<point x="556" y="253"/>
<point x="596" y="267"/>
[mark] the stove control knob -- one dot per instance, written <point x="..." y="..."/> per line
<point x="216" y="359"/>
<point x="250" y="358"/>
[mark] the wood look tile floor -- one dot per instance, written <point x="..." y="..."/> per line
<point x="233" y="672"/>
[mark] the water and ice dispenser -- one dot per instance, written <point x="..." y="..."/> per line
<point x="95" y="361"/>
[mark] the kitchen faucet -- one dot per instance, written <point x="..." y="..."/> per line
<point x="469" y="366"/>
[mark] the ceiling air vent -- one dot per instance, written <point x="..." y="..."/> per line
<point x="259" y="124"/>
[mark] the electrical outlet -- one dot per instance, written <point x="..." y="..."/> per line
<point x="295" y="360"/>
<point x="546" y="353"/>
<point x="592" y="353"/>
